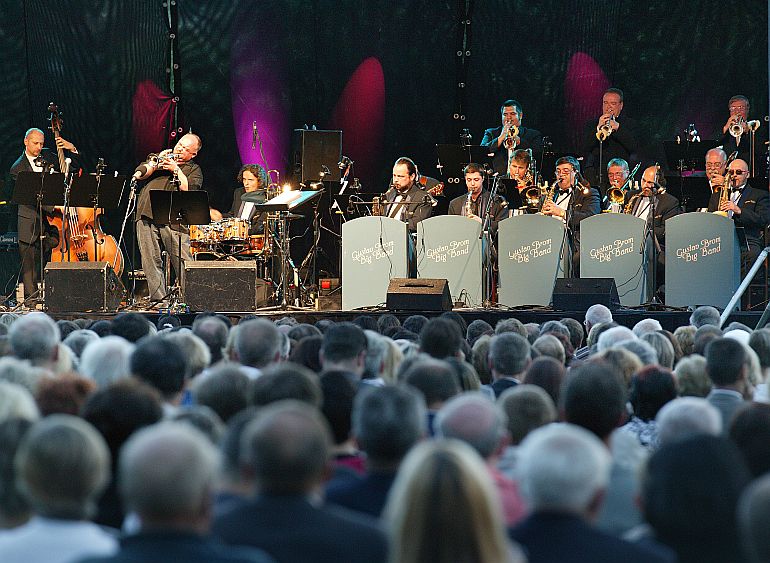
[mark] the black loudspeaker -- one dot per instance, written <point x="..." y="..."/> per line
<point x="422" y="294"/>
<point x="578" y="294"/>
<point x="225" y="287"/>
<point x="314" y="150"/>
<point x="77" y="287"/>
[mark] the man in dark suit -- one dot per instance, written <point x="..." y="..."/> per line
<point x="621" y="142"/>
<point x="34" y="160"/>
<point x="748" y="207"/>
<point x="574" y="200"/>
<point x="727" y="366"/>
<point x="501" y="140"/>
<point x="287" y="449"/>
<point x="172" y="499"/>
<point x="477" y="203"/>
<point x="741" y="143"/>
<point x="405" y="200"/>
<point x="563" y="472"/>
<point x="509" y="358"/>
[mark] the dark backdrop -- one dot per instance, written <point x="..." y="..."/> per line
<point x="678" y="63"/>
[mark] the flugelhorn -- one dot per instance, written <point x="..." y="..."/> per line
<point x="510" y="138"/>
<point x="605" y="130"/>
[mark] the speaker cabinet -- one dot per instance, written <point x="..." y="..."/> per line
<point x="313" y="151"/>
<point x="578" y="294"/>
<point x="226" y="287"/>
<point x="421" y="294"/>
<point x="77" y="287"/>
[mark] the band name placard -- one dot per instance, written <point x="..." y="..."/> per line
<point x="444" y="252"/>
<point x="705" y="247"/>
<point x="535" y="249"/>
<point x="615" y="249"/>
<point x="368" y="254"/>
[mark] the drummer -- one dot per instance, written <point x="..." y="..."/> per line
<point x="252" y="178"/>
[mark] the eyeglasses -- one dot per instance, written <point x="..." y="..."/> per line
<point x="737" y="108"/>
<point x="740" y="172"/>
<point x="714" y="165"/>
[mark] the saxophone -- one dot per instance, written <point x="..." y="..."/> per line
<point x="549" y="193"/>
<point x="629" y="208"/>
<point x="467" y="208"/>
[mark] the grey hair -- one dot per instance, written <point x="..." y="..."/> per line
<point x="686" y="417"/>
<point x="106" y="360"/>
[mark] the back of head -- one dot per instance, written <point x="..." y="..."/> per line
<point x="509" y="354"/>
<point x="760" y="343"/>
<point x="213" y="331"/>
<point x="414" y="323"/>
<point x="17" y="402"/>
<point x="753" y="516"/>
<point x="726" y="361"/>
<point x="78" y="339"/>
<point x="64" y="394"/>
<point x="62" y="467"/>
<point x="685" y="336"/>
<point x="443" y="508"/>
<point x="338" y="394"/>
<point x="687" y="474"/>
<point x="644" y="351"/>
<point x="306" y="351"/>
<point x="612" y="336"/>
<point x="510" y="325"/>
<point x="458" y="319"/>
<point x="387" y="422"/>
<point x="526" y="407"/>
<point x="160" y="363"/>
<point x="387" y="321"/>
<point x="750" y="431"/>
<point x="663" y="348"/>
<point x="594" y="398"/>
<point x="562" y="468"/>
<point x="285" y="381"/>
<point x="623" y="361"/>
<point x="477" y="328"/>
<point x="550" y="345"/>
<point x="302" y="331"/>
<point x="257" y="343"/>
<point x="475" y="420"/>
<point x="14" y="509"/>
<point x="34" y="337"/>
<point x="691" y="377"/>
<point x="705" y="315"/>
<point x="651" y="388"/>
<point x="440" y="338"/>
<point x="646" y="326"/>
<point x="106" y="360"/>
<point x="480" y="355"/>
<point x="548" y="374"/>
<point x="686" y="417"/>
<point x="576" y="333"/>
<point x="435" y="379"/>
<point x="598" y="313"/>
<point x="131" y="326"/>
<point x="365" y="322"/>
<point x="376" y="353"/>
<point x="194" y="349"/>
<point x="176" y="490"/>
<point x="286" y="448"/>
<point x="224" y="390"/>
<point x="554" y="326"/>
<point x="342" y="342"/>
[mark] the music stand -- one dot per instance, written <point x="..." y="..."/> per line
<point x="97" y="191"/>
<point x="453" y="158"/>
<point x="37" y="189"/>
<point x="509" y="189"/>
<point x="177" y="208"/>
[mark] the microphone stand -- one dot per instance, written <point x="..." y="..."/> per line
<point x="130" y="209"/>
<point x="649" y="232"/>
<point x="485" y="236"/>
<point x="568" y="231"/>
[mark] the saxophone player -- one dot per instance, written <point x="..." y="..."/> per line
<point x="510" y="136"/>
<point x="478" y="201"/>
<point x="749" y="208"/>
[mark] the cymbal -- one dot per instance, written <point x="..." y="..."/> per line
<point x="291" y="216"/>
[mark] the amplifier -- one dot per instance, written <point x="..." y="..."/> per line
<point x="72" y="287"/>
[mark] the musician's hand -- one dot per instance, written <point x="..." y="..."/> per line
<point x="474" y="217"/>
<point x="730" y="205"/>
<point x="604" y="118"/>
<point x="730" y="120"/>
<point x="717" y="180"/>
<point x="214" y="214"/>
<point x="65" y="144"/>
<point x="614" y="124"/>
<point x="550" y="208"/>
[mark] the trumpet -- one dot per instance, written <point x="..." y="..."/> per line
<point x="737" y="127"/>
<point x="510" y="138"/>
<point x="605" y="130"/>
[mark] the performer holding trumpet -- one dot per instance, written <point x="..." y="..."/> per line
<point x="172" y="169"/>
<point x="511" y="135"/>
<point x="738" y="133"/>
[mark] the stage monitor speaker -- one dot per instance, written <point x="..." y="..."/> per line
<point x="313" y="151"/>
<point x="578" y="294"/>
<point x="225" y="287"/>
<point x="78" y="287"/>
<point x="421" y="294"/>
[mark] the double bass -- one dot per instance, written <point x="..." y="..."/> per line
<point x="84" y="241"/>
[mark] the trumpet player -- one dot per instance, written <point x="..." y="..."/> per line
<point x="737" y="130"/>
<point x="749" y="208"/>
<point x="610" y="136"/>
<point x="478" y="201"/>
<point x="510" y="136"/>
<point x="172" y="168"/>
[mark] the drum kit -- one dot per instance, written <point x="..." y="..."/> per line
<point x="225" y="239"/>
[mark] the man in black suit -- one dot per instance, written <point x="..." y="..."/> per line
<point x="748" y="207"/>
<point x="727" y="366"/>
<point x="480" y="203"/>
<point x="405" y="200"/>
<point x="172" y="499"/>
<point x="653" y="203"/>
<point x="574" y="200"/>
<point x="741" y="143"/>
<point x="509" y="358"/>
<point x="563" y="472"/>
<point x="621" y="142"/>
<point x="34" y="160"/>
<point x="495" y="138"/>
<point x="286" y="450"/>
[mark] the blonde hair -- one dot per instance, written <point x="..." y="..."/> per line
<point x="444" y="507"/>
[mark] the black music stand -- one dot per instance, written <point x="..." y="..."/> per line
<point x="38" y="189"/>
<point x="510" y="191"/>
<point x="453" y="158"/>
<point x="98" y="191"/>
<point x="177" y="208"/>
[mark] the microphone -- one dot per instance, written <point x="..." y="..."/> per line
<point x="254" y="135"/>
<point x="141" y="170"/>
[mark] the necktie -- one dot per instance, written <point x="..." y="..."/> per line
<point x="396" y="210"/>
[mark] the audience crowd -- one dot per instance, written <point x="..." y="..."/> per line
<point x="383" y="440"/>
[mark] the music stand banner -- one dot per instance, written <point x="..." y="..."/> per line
<point x="611" y="246"/>
<point x="449" y="247"/>
<point x="374" y="250"/>
<point x="529" y="252"/>
<point x="702" y="260"/>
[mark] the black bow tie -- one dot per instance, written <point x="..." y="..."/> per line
<point x="738" y="189"/>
